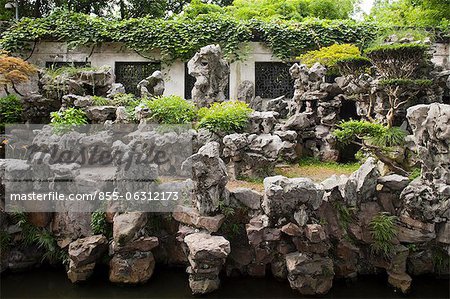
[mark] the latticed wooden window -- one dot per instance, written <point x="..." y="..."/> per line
<point x="189" y="82"/>
<point x="272" y="79"/>
<point x="131" y="73"/>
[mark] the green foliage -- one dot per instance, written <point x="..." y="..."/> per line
<point x="353" y="65"/>
<point x="345" y="214"/>
<point x="125" y="99"/>
<point x="5" y="240"/>
<point x="399" y="61"/>
<point x="407" y="83"/>
<point x="375" y="134"/>
<point x="180" y="38"/>
<point x="269" y="10"/>
<point x="226" y="209"/>
<point x="415" y="173"/>
<point x="383" y="231"/>
<point x="315" y="162"/>
<point x="99" y="225"/>
<point x="417" y="34"/>
<point x="441" y="260"/>
<point x="65" y="120"/>
<point x="68" y="71"/>
<point x="328" y="56"/>
<point x="394" y="49"/>
<point x="171" y="110"/>
<point x="40" y="237"/>
<point x="420" y="13"/>
<point x="100" y="101"/>
<point x="10" y="110"/>
<point x="226" y="117"/>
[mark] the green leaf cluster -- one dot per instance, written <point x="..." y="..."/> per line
<point x="65" y="120"/>
<point x="269" y="10"/>
<point x="353" y="65"/>
<point x="10" y="110"/>
<point x="180" y="38"/>
<point x="171" y="110"/>
<point x="374" y="133"/>
<point x="41" y="237"/>
<point x="328" y="56"/>
<point x="225" y="117"/>
<point x="407" y="83"/>
<point x="99" y="225"/>
<point x="383" y="231"/>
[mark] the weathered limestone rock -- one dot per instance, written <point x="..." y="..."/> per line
<point x="246" y="91"/>
<point x="414" y="231"/>
<point x="211" y="73"/>
<point x="283" y="196"/>
<point x="366" y="180"/>
<point x="210" y="178"/>
<point x="248" y="197"/>
<point x="100" y="114"/>
<point x="126" y="226"/>
<point x="428" y="198"/>
<point x="207" y="254"/>
<point x="309" y="274"/>
<point x="262" y="122"/>
<point x="133" y="268"/>
<point x="191" y="216"/>
<point x="83" y="253"/>
<point x="116" y="88"/>
<point x="152" y="85"/>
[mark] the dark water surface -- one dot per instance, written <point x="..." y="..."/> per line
<point x="173" y="283"/>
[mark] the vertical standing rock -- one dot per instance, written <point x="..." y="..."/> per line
<point x="132" y="260"/>
<point x="207" y="254"/>
<point x="152" y="85"/>
<point x="210" y="178"/>
<point x="83" y="253"/>
<point x="211" y="73"/>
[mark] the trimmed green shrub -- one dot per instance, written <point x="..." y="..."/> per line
<point x="100" y="101"/>
<point x="407" y="83"/>
<point x="328" y="56"/>
<point x="65" y="120"/>
<point x="10" y="110"/>
<point x="171" y="110"/>
<point x="355" y="65"/>
<point x="226" y="117"/>
<point x="398" y="61"/>
<point x="375" y="134"/>
<point x="383" y="231"/>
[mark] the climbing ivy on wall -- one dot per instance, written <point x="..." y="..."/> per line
<point x="180" y="38"/>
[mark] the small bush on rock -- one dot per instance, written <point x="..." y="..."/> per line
<point x="383" y="231"/>
<point x="171" y="110"/>
<point x="226" y="117"/>
<point x="99" y="224"/>
<point x="10" y="110"/>
<point x="63" y="121"/>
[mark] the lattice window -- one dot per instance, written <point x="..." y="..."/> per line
<point x="131" y="73"/>
<point x="272" y="79"/>
<point x="189" y="82"/>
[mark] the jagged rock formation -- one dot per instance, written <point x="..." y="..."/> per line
<point x="132" y="261"/>
<point x="209" y="176"/>
<point x="83" y="254"/>
<point x="211" y="73"/>
<point x="428" y="198"/>
<point x="207" y="254"/>
<point x="152" y="85"/>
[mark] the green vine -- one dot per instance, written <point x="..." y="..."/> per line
<point x="180" y="38"/>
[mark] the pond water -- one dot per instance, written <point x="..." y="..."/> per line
<point x="173" y="283"/>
